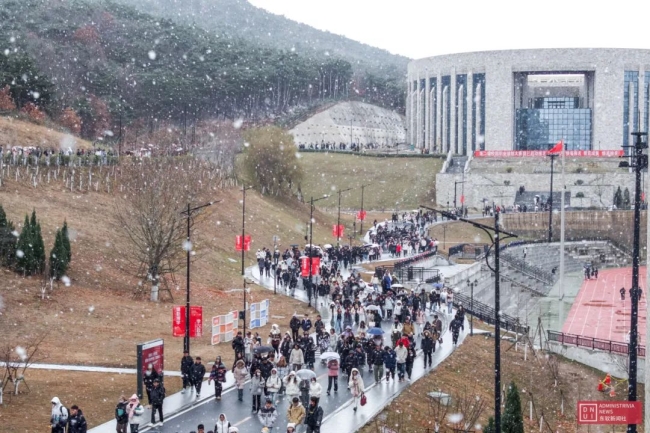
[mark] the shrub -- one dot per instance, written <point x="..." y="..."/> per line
<point x="33" y="112"/>
<point x="508" y="169"/>
<point x="6" y="101"/>
<point x="70" y="120"/>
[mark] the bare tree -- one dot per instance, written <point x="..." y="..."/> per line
<point x="17" y="358"/>
<point x="148" y="212"/>
<point x="468" y="408"/>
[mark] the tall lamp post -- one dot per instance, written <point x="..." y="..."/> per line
<point x="497" y="324"/>
<point x="471" y="285"/>
<point x="639" y="162"/>
<point x="243" y="250"/>
<point x="188" y="247"/>
<point x="338" y="221"/>
<point x="311" y="245"/>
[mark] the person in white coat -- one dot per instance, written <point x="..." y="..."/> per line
<point x="315" y="389"/>
<point x="291" y="386"/>
<point x="273" y="384"/>
<point x="222" y="424"/>
<point x="401" y="353"/>
<point x="134" y="410"/>
<point x="356" y="387"/>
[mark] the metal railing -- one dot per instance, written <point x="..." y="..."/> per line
<point x="593" y="343"/>
<point x="486" y="313"/>
<point x="411" y="273"/>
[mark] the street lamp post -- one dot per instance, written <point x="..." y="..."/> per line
<point x="471" y="285"/>
<point x="639" y="162"/>
<point x="338" y="221"/>
<point x="311" y="244"/>
<point x="496" y="239"/>
<point x="188" y="247"/>
<point x="243" y="250"/>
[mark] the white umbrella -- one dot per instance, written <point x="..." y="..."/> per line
<point x="397" y="286"/>
<point x="326" y="246"/>
<point x="330" y="355"/>
<point x="372" y="308"/>
<point x="305" y="374"/>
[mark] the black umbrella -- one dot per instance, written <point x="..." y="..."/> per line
<point x="263" y="349"/>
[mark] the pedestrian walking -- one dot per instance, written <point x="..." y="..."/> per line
<point x="135" y="410"/>
<point x="291" y="386"/>
<point x="315" y="390"/>
<point x="410" y="359"/>
<point x="273" y="384"/>
<point x="218" y="374"/>
<point x="455" y="326"/>
<point x="296" y="413"/>
<point x="157" y="398"/>
<point x="198" y="373"/>
<point x="313" y="416"/>
<point x="121" y="415"/>
<point x="222" y="425"/>
<point x="377" y="359"/>
<point x="76" y="420"/>
<point x="401" y="353"/>
<point x="268" y="414"/>
<point x="241" y="374"/>
<point x="356" y="387"/>
<point x="59" y="416"/>
<point x="257" y="388"/>
<point x="390" y="362"/>
<point x="332" y="375"/>
<point x="186" y="370"/>
<point x="428" y="347"/>
<point x="297" y="358"/>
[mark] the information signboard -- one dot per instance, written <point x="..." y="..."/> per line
<point x="610" y="412"/>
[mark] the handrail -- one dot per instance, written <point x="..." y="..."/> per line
<point x="593" y="343"/>
<point x="486" y="314"/>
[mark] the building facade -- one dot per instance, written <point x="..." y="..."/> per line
<point x="593" y="99"/>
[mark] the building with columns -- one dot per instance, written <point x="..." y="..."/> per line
<point x="519" y="100"/>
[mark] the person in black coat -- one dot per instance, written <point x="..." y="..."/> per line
<point x="455" y="326"/>
<point x="313" y="416"/>
<point x="428" y="347"/>
<point x="76" y="421"/>
<point x="150" y="376"/>
<point x="238" y="344"/>
<point x="198" y="372"/>
<point x="294" y="325"/>
<point x="157" y="398"/>
<point x="410" y="359"/>
<point x="186" y="369"/>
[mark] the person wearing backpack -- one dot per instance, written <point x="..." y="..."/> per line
<point x="59" y="417"/>
<point x="121" y="415"/>
<point x="134" y="411"/>
<point x="157" y="397"/>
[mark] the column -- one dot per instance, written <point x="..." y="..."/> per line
<point x="453" y="138"/>
<point x="418" y="111"/>
<point x="427" y="110"/>
<point x="630" y="114"/>
<point x="439" y="112"/>
<point x="642" y="107"/>
<point x="409" y="113"/>
<point x="413" y="114"/>
<point x="479" y="117"/>
<point x="434" y="115"/>
<point x="445" y="120"/>
<point x="470" y="117"/>
<point x="459" y="119"/>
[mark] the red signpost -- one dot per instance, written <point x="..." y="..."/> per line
<point x="247" y="243"/>
<point x="196" y="321"/>
<point x="610" y="412"/>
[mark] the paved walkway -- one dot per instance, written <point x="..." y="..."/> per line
<point x="183" y="412"/>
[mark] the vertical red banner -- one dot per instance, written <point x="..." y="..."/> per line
<point x="361" y="215"/>
<point x="196" y="321"/>
<point x="246" y="243"/>
<point x="337" y="231"/>
<point x="304" y="266"/>
<point x="315" y="265"/>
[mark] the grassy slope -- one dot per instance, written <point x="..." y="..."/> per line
<point x="22" y="133"/>
<point x="401" y="183"/>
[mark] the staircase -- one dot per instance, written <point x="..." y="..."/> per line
<point x="528" y="198"/>
<point x="457" y="164"/>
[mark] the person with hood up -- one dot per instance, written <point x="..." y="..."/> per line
<point x="315" y="390"/>
<point x="291" y="427"/>
<point x="121" y="416"/>
<point x="455" y="326"/>
<point x="275" y="336"/>
<point x="428" y="347"/>
<point x="356" y="387"/>
<point x="396" y="331"/>
<point x="332" y="375"/>
<point x="296" y="412"/>
<point x="218" y="374"/>
<point x="222" y="425"/>
<point x="401" y="353"/>
<point x="257" y="388"/>
<point x="241" y="374"/>
<point x="76" y="420"/>
<point x="267" y="414"/>
<point x="297" y="358"/>
<point x="294" y="325"/>
<point x="397" y="311"/>
<point x="291" y="386"/>
<point x="273" y="384"/>
<point x="59" y="417"/>
<point x="134" y="410"/>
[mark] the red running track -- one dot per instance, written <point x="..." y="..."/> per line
<point x="599" y="312"/>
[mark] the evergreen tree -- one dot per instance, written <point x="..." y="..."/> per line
<point x="7" y="240"/>
<point x="65" y="239"/>
<point x="39" y="249"/>
<point x="513" y="420"/>
<point x="24" y="250"/>
<point x="490" y="426"/>
<point x="58" y="258"/>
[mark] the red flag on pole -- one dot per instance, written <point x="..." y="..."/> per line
<point x="304" y="266"/>
<point x="196" y="321"/>
<point x="361" y="215"/>
<point x="556" y="149"/>
<point x="315" y="266"/>
<point x="247" y="243"/>
<point x="462" y="199"/>
<point x="337" y="231"/>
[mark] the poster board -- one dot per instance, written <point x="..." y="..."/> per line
<point x="151" y="352"/>
<point x="259" y="314"/>
<point x="224" y="327"/>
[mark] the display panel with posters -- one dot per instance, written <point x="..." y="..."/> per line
<point x="259" y="314"/>
<point x="151" y="352"/>
<point x="224" y="327"/>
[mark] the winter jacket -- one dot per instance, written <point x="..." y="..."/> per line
<point x="198" y="372"/>
<point x="296" y="357"/>
<point x="267" y="416"/>
<point x="291" y="387"/>
<point x="306" y="325"/>
<point x="377" y="356"/>
<point x="218" y="373"/>
<point x="241" y="374"/>
<point x="408" y="329"/>
<point x="456" y="325"/>
<point x="157" y="394"/>
<point x="150" y="378"/>
<point x="121" y="416"/>
<point x="356" y="384"/>
<point x="257" y="385"/>
<point x="294" y="324"/>
<point x="296" y="413"/>
<point x="333" y="368"/>
<point x="77" y="423"/>
<point x="314" y="417"/>
<point x="222" y="426"/>
<point x="134" y="410"/>
<point x="273" y="383"/>
<point x="427" y="344"/>
<point x="396" y="328"/>
<point x="390" y="359"/>
<point x="315" y="389"/>
<point x="186" y="365"/>
<point x="401" y="352"/>
<point x="410" y="356"/>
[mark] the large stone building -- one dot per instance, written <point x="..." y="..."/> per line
<point x="527" y="99"/>
<point x="495" y="114"/>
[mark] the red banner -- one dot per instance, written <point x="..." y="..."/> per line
<point x="304" y="266"/>
<point x="196" y="321"/>
<point x="540" y="153"/>
<point x="610" y="412"/>
<point x="462" y="199"/>
<point x="361" y="215"/>
<point x="337" y="231"/>
<point x="151" y="352"/>
<point x="247" y="243"/>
